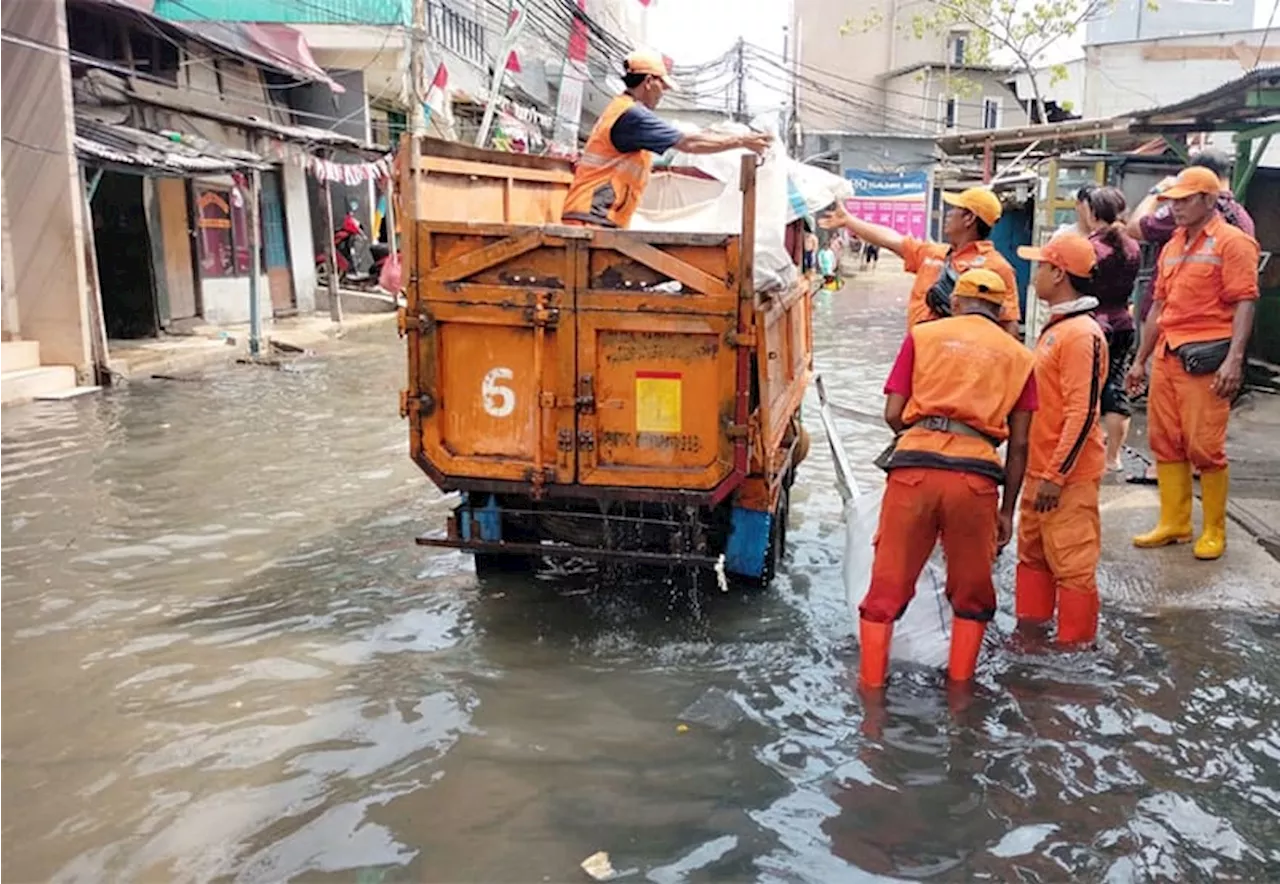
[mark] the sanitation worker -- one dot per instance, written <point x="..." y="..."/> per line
<point x="960" y="388"/>
<point x="1205" y="292"/>
<point x="1059" y="529"/>
<point x="967" y="228"/>
<point x="613" y="170"/>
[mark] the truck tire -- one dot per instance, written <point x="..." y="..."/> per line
<point x="777" y="538"/>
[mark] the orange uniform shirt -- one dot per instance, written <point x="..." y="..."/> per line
<point x="968" y="369"/>
<point x="1071" y="367"/>
<point x="1200" y="282"/>
<point x="925" y="259"/>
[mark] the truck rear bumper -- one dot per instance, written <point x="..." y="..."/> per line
<point x="569" y="551"/>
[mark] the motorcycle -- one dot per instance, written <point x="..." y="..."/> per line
<point x="360" y="262"/>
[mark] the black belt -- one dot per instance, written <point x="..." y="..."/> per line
<point x="940" y="424"/>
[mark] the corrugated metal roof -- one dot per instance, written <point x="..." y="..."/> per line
<point x="99" y="142"/>
<point x="274" y="46"/>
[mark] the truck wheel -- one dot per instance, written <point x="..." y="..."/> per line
<point x="777" y="538"/>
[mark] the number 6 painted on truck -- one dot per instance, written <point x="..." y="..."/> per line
<point x="499" y="400"/>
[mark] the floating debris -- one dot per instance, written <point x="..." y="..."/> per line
<point x="598" y="866"/>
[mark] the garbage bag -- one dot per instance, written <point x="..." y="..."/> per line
<point x="390" y="279"/>
<point x="923" y="634"/>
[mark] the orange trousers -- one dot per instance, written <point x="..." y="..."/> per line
<point x="919" y="505"/>
<point x="1186" y="420"/>
<point x="1065" y="542"/>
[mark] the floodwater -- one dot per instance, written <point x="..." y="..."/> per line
<point x="225" y="660"/>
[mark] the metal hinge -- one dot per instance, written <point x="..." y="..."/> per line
<point x="586" y="441"/>
<point x="564" y="441"/>
<point x="738" y="432"/>
<point x="426" y="403"/>
<point x="586" y="401"/>
<point x="546" y="317"/>
<point x="735" y="338"/>
<point x="419" y="322"/>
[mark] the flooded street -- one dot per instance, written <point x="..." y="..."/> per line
<point x="224" y="659"/>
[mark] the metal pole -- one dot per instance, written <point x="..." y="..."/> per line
<point x="417" y="70"/>
<point x="335" y="306"/>
<point x="255" y="262"/>
<point x="500" y="68"/>
<point x="741" y="74"/>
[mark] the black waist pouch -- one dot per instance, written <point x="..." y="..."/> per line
<point x="1204" y="357"/>
<point x="938" y="297"/>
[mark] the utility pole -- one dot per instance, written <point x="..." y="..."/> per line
<point x="417" y="70"/>
<point x="255" y="263"/>
<point x="740" y="71"/>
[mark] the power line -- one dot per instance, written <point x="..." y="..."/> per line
<point x="1262" y="44"/>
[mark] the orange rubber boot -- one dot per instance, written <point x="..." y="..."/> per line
<point x="1077" y="616"/>
<point x="1034" y="595"/>
<point x="874" y="639"/>
<point x="966" y="642"/>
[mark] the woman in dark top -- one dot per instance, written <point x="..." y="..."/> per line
<point x="1119" y="259"/>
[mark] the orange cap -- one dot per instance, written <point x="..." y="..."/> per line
<point x="1069" y="252"/>
<point x="983" y="284"/>
<point x="1193" y="180"/>
<point x="979" y="200"/>
<point x="651" y="63"/>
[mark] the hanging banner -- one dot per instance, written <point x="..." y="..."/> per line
<point x="572" y="77"/>
<point x="350" y="174"/>
<point x="896" y="200"/>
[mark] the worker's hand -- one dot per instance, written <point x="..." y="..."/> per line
<point x="1136" y="377"/>
<point x="1226" y="383"/>
<point x="837" y="218"/>
<point x="1047" y="496"/>
<point x="1004" y="529"/>
<point x="757" y="142"/>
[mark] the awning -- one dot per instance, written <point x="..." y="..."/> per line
<point x="274" y="46"/>
<point x="148" y="153"/>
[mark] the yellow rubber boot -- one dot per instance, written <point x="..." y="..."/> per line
<point x="1213" y="500"/>
<point x="1175" y="507"/>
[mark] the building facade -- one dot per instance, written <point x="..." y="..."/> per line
<point x="1137" y="20"/>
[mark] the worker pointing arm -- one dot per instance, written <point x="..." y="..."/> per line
<point x="967" y="229"/>
<point x="613" y="171"/>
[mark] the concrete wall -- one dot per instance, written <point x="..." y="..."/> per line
<point x="42" y="186"/>
<point x="874" y="153"/>
<point x="302" y="244"/>
<point x="348" y="114"/>
<point x="226" y="300"/>
<point x="858" y="58"/>
<point x="919" y="95"/>
<point x="1134" y="20"/>
<point x="1124" y="77"/>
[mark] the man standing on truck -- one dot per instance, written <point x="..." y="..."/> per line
<point x="960" y="388"/>
<point x="1205" y="293"/>
<point x="613" y="171"/>
<point x="967" y="228"/>
<point x="1059" y="529"/>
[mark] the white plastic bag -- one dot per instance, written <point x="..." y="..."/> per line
<point x="923" y="634"/>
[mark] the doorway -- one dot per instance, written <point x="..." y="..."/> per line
<point x="123" y="248"/>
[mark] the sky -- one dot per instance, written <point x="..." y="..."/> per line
<point x="695" y="31"/>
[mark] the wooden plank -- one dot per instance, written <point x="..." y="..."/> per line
<point x="449" y="166"/>
<point x="439" y="148"/>
<point x="666" y="264"/>
<point x="480" y="259"/>
<point x="176" y="237"/>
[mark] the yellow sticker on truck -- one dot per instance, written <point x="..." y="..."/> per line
<point x="658" y="401"/>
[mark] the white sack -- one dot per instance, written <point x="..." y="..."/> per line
<point x="923" y="634"/>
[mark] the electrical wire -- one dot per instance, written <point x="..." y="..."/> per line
<point x="1262" y="44"/>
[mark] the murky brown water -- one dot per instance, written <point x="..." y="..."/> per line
<point x="224" y="659"/>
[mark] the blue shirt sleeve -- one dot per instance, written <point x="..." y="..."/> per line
<point x="641" y="129"/>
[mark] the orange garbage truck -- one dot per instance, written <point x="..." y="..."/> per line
<point x="607" y="395"/>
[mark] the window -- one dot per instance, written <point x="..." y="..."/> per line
<point x="959" y="45"/>
<point x="222" y="228"/>
<point x="947" y="111"/>
<point x="992" y="113"/>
